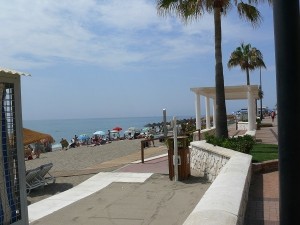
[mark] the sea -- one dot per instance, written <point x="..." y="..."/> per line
<point x="68" y="128"/>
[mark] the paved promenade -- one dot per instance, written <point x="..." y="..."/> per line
<point x="263" y="202"/>
<point x="105" y="197"/>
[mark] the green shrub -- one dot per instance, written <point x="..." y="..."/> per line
<point x="258" y="122"/>
<point x="242" y="144"/>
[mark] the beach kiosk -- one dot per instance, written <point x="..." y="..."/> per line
<point x="13" y="198"/>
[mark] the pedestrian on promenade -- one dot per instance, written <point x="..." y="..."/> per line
<point x="273" y="114"/>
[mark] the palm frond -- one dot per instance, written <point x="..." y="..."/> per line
<point x="187" y="10"/>
<point x="249" y="13"/>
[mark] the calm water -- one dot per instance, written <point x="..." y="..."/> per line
<point x="67" y="128"/>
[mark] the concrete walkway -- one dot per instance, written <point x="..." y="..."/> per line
<point x="126" y="198"/>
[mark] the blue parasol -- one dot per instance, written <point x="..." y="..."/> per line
<point x="99" y="132"/>
<point x="83" y="137"/>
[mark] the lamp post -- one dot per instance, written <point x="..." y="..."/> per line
<point x="261" y="95"/>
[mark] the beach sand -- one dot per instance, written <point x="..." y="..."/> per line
<point x="75" y="165"/>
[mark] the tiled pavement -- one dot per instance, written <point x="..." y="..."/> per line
<point x="263" y="202"/>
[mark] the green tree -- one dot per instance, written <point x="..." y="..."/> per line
<point x="248" y="58"/>
<point x="193" y="9"/>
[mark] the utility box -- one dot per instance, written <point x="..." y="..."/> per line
<point x="184" y="169"/>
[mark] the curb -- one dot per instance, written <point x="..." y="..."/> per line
<point x="265" y="167"/>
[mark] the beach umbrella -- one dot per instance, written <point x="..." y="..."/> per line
<point x="83" y="137"/>
<point x="99" y="132"/>
<point x="118" y="128"/>
<point x="31" y="136"/>
<point x="133" y="129"/>
<point x="146" y="129"/>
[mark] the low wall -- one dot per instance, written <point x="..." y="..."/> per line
<point x="196" y="134"/>
<point x="224" y="203"/>
<point x="244" y="125"/>
<point x="265" y="167"/>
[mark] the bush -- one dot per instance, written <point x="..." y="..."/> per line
<point x="258" y="122"/>
<point x="242" y="144"/>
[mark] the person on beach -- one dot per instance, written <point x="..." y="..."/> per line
<point x="150" y="137"/>
<point x="28" y="152"/>
<point x="73" y="143"/>
<point x="37" y="149"/>
<point x="76" y="140"/>
<point x="96" y="140"/>
<point x="108" y="135"/>
<point x="64" y="144"/>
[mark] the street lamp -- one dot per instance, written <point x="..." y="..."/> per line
<point x="261" y="95"/>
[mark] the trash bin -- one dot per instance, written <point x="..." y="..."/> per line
<point x="184" y="170"/>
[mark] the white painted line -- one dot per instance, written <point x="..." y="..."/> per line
<point x="148" y="159"/>
<point x="86" y="188"/>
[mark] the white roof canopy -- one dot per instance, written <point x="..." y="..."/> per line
<point x="231" y="92"/>
<point x="9" y="71"/>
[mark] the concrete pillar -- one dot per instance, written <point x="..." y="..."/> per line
<point x="250" y="109"/>
<point x="207" y="112"/>
<point x="214" y="112"/>
<point x="254" y="113"/>
<point x="198" y="112"/>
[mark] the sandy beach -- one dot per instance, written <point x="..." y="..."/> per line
<point x="75" y="165"/>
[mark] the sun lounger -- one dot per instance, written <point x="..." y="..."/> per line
<point x="32" y="179"/>
<point x="39" y="177"/>
<point x="44" y="174"/>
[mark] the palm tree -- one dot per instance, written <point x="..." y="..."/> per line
<point x="248" y="58"/>
<point x="194" y="9"/>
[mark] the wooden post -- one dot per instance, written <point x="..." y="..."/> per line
<point x="142" y="151"/>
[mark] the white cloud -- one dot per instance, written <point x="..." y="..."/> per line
<point x="100" y="32"/>
<point x="127" y="15"/>
<point x="108" y="33"/>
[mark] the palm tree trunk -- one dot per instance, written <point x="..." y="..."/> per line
<point x="221" y="115"/>
<point x="248" y="77"/>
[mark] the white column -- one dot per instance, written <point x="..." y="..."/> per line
<point x="207" y="112"/>
<point x="254" y="113"/>
<point x="250" y="109"/>
<point x="214" y="112"/>
<point x="175" y="157"/>
<point x="198" y="112"/>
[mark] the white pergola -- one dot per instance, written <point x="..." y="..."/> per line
<point x="247" y="92"/>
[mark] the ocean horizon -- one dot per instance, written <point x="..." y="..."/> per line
<point x="68" y="128"/>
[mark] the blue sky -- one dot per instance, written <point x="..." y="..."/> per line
<point x="111" y="58"/>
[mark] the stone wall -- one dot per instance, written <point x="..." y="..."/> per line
<point x="207" y="160"/>
<point x="224" y="203"/>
